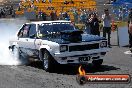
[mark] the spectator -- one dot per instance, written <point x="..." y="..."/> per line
<point x="66" y="16"/>
<point x="75" y="14"/>
<point x="60" y="16"/>
<point x="94" y="24"/>
<point x="87" y="24"/>
<point x="52" y="15"/>
<point x="107" y="25"/>
<point x="0" y="14"/>
<point x="43" y="1"/>
<point x="44" y="16"/>
<point x="130" y="29"/>
<point x="13" y="13"/>
<point x="39" y="14"/>
<point x="3" y="14"/>
<point x="83" y="17"/>
<point x="50" y="1"/>
<point x="55" y="15"/>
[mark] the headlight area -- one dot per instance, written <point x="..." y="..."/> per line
<point x="63" y="48"/>
<point x="103" y="44"/>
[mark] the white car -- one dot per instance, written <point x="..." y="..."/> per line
<point x="57" y="42"/>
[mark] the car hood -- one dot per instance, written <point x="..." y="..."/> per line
<point x="85" y="38"/>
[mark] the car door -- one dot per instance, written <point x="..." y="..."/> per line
<point x="28" y="40"/>
<point x="23" y="38"/>
<point x="32" y="37"/>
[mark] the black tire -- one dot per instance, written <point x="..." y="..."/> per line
<point x="131" y="50"/>
<point x="97" y="63"/>
<point x="48" y="61"/>
<point x="18" y="55"/>
<point x="16" y="52"/>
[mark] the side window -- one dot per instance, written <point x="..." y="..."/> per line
<point x="24" y="31"/>
<point x="20" y="33"/>
<point x="32" y="30"/>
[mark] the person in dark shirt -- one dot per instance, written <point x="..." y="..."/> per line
<point x="94" y="24"/>
<point x="52" y="15"/>
<point x="44" y="16"/>
<point x="130" y="29"/>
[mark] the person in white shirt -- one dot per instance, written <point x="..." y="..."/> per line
<point x="106" y="25"/>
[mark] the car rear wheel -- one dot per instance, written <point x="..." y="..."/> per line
<point x="18" y="55"/>
<point x="97" y="63"/>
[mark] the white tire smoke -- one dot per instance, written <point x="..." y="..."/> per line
<point x="8" y="28"/>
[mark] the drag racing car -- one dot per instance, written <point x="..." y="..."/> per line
<point x="57" y="42"/>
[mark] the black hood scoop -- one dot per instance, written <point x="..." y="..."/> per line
<point x="71" y="35"/>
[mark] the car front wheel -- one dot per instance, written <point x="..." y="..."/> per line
<point x="48" y="61"/>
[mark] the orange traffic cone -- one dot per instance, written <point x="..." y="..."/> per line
<point x="113" y="26"/>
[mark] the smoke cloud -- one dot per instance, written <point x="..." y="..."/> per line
<point x="8" y="28"/>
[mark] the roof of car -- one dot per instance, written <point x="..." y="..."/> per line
<point x="40" y="22"/>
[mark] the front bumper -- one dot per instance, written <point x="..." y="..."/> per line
<point x="73" y="57"/>
<point x="78" y="53"/>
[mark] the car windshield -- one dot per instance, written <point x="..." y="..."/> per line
<point x="48" y="28"/>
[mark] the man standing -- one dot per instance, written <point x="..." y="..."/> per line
<point x="75" y="14"/>
<point x="130" y="29"/>
<point x="83" y="17"/>
<point x="107" y="25"/>
<point x="94" y="24"/>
